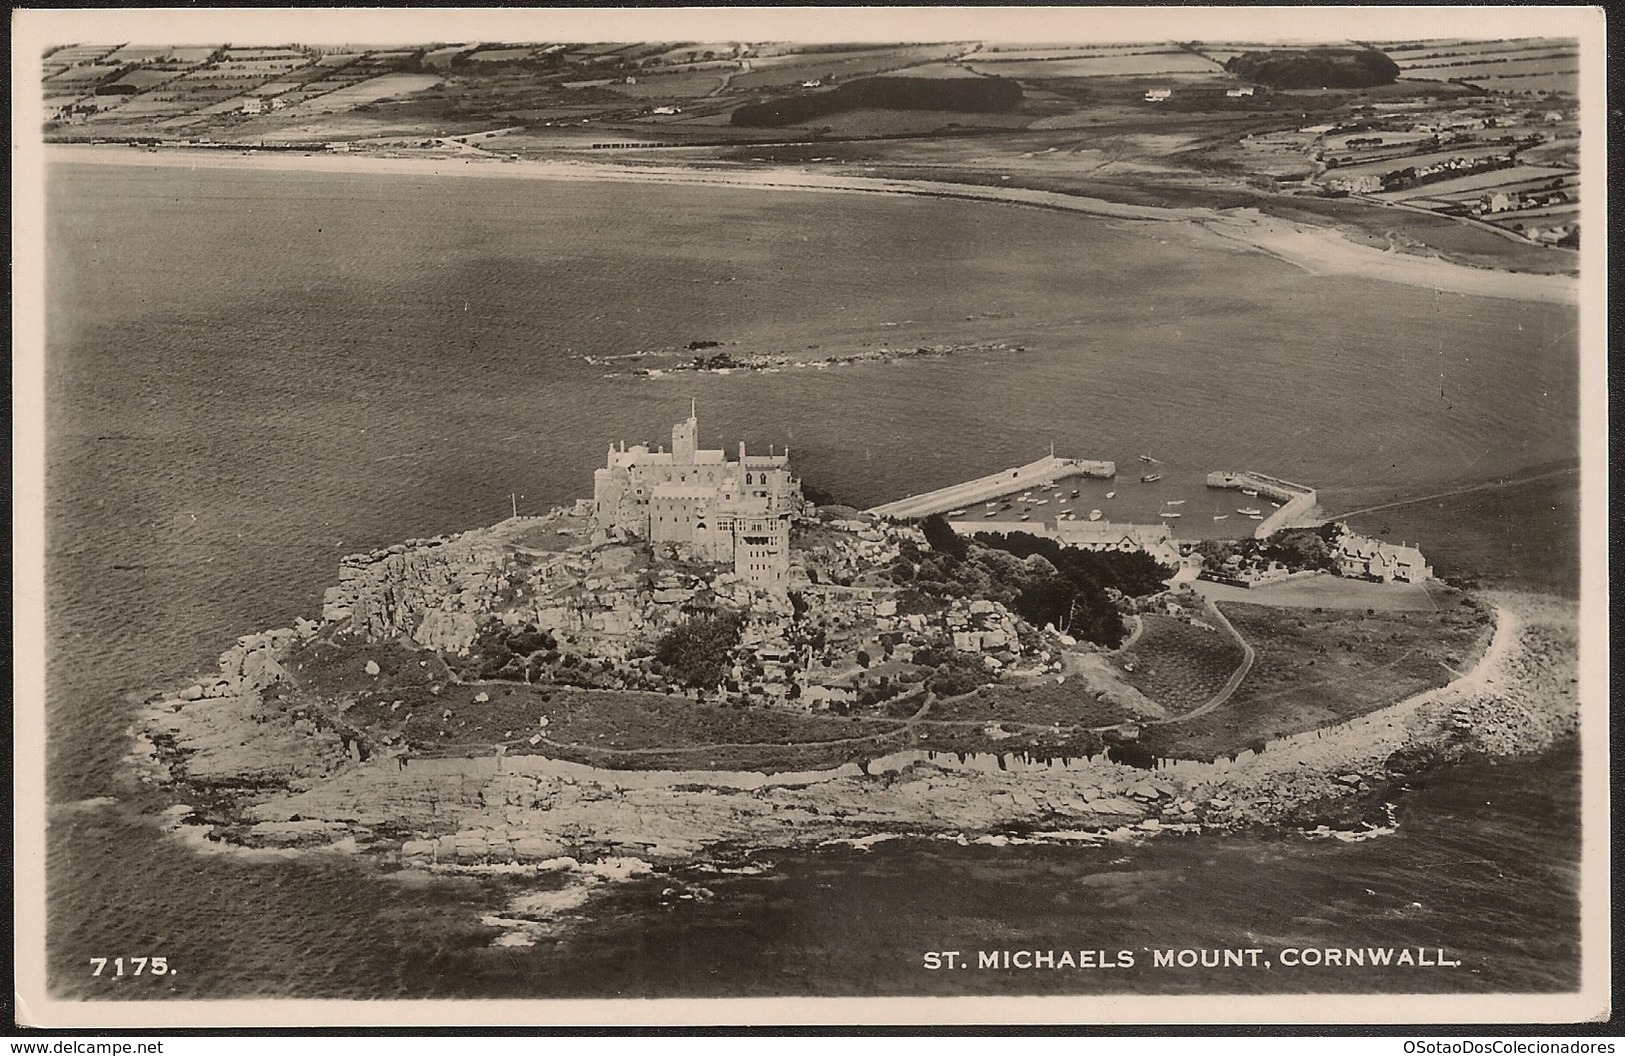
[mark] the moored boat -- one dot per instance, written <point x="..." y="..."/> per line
<point x="1169" y="513"/>
<point x="1250" y="511"/>
<point x="1111" y="494"/>
<point x="1094" y="515"/>
<point x="1150" y="478"/>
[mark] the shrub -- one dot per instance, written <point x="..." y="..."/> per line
<point x="697" y="652"/>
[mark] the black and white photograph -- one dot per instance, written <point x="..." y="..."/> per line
<point x="792" y="515"/>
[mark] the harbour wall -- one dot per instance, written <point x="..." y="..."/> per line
<point x="1296" y="500"/>
<point x="1040" y="471"/>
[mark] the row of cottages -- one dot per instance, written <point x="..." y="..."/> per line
<point x="1360" y="557"/>
<point x="1508" y="201"/>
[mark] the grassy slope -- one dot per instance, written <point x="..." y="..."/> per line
<point x="1317" y="668"/>
<point x="1177" y="665"/>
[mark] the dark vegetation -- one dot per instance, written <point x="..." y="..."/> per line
<point x="1296" y="548"/>
<point x="1315" y="68"/>
<point x="1178" y="664"/>
<point x="1036" y="578"/>
<point x="964" y="94"/>
<point x="698" y="653"/>
<point x="518" y="654"/>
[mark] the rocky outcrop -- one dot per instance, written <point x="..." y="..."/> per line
<point x="429" y="590"/>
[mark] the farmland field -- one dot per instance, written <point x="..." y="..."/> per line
<point x="1473" y="71"/>
<point x="368" y="91"/>
<point x="1178" y="665"/>
<point x="1417" y="160"/>
<point x="1546" y="82"/>
<point x="1142" y="65"/>
<point x="1471" y="186"/>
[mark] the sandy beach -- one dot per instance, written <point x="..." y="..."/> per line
<point x="1320" y="251"/>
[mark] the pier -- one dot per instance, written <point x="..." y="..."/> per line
<point x="1041" y="471"/>
<point x="1297" y="500"/>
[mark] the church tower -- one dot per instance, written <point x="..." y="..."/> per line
<point x="685" y="437"/>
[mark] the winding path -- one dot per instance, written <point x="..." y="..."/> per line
<point x="1248" y="654"/>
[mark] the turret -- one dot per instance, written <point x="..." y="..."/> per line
<point x="685" y="437"/>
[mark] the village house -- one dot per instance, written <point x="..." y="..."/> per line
<point x="1361" y="557"/>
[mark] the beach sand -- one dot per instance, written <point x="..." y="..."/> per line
<point x="1320" y="251"/>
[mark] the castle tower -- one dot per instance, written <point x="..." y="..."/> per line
<point x="685" y="437"/>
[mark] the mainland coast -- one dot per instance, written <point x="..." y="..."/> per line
<point x="1318" y="250"/>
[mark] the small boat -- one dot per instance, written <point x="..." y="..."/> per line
<point x="1026" y="517"/>
<point x="1220" y="516"/>
<point x="991" y="513"/>
<point x="1174" y="502"/>
<point x="1167" y="513"/>
<point x="1276" y="505"/>
<point x="1250" y="511"/>
<point x="1041" y="502"/>
<point x="956" y="513"/>
<point x="1111" y="494"/>
<point x="1249" y="491"/>
<point x="1148" y="458"/>
<point x="1094" y="515"/>
<point x="1150" y="478"/>
<point x="1007" y="506"/>
<point x="1256" y="516"/>
<point x="1074" y="493"/>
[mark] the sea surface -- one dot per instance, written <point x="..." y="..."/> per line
<point x="250" y="374"/>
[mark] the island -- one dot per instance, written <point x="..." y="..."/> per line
<point x="699" y="662"/>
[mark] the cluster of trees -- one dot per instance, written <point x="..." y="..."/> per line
<point x="1037" y="578"/>
<point x="1296" y="548"/>
<point x="1315" y="67"/>
<point x="965" y="94"/>
<point x="699" y="652"/>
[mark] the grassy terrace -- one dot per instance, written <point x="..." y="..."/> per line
<point x="1319" y="667"/>
<point x="1178" y="665"/>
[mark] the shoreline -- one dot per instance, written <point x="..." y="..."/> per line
<point x="274" y="787"/>
<point x="1320" y="251"/>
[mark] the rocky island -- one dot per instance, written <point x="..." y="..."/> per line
<point x="697" y="662"/>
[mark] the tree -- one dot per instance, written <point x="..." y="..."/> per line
<point x="942" y="537"/>
<point x="697" y="652"/>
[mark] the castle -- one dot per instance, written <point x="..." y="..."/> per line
<point x="713" y="509"/>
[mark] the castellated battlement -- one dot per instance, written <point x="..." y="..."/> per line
<point x="716" y="510"/>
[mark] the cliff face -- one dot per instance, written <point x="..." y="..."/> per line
<point x="429" y="590"/>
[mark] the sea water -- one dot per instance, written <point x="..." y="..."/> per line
<point x="251" y="374"/>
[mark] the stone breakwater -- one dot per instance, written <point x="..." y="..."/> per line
<point x="294" y="785"/>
